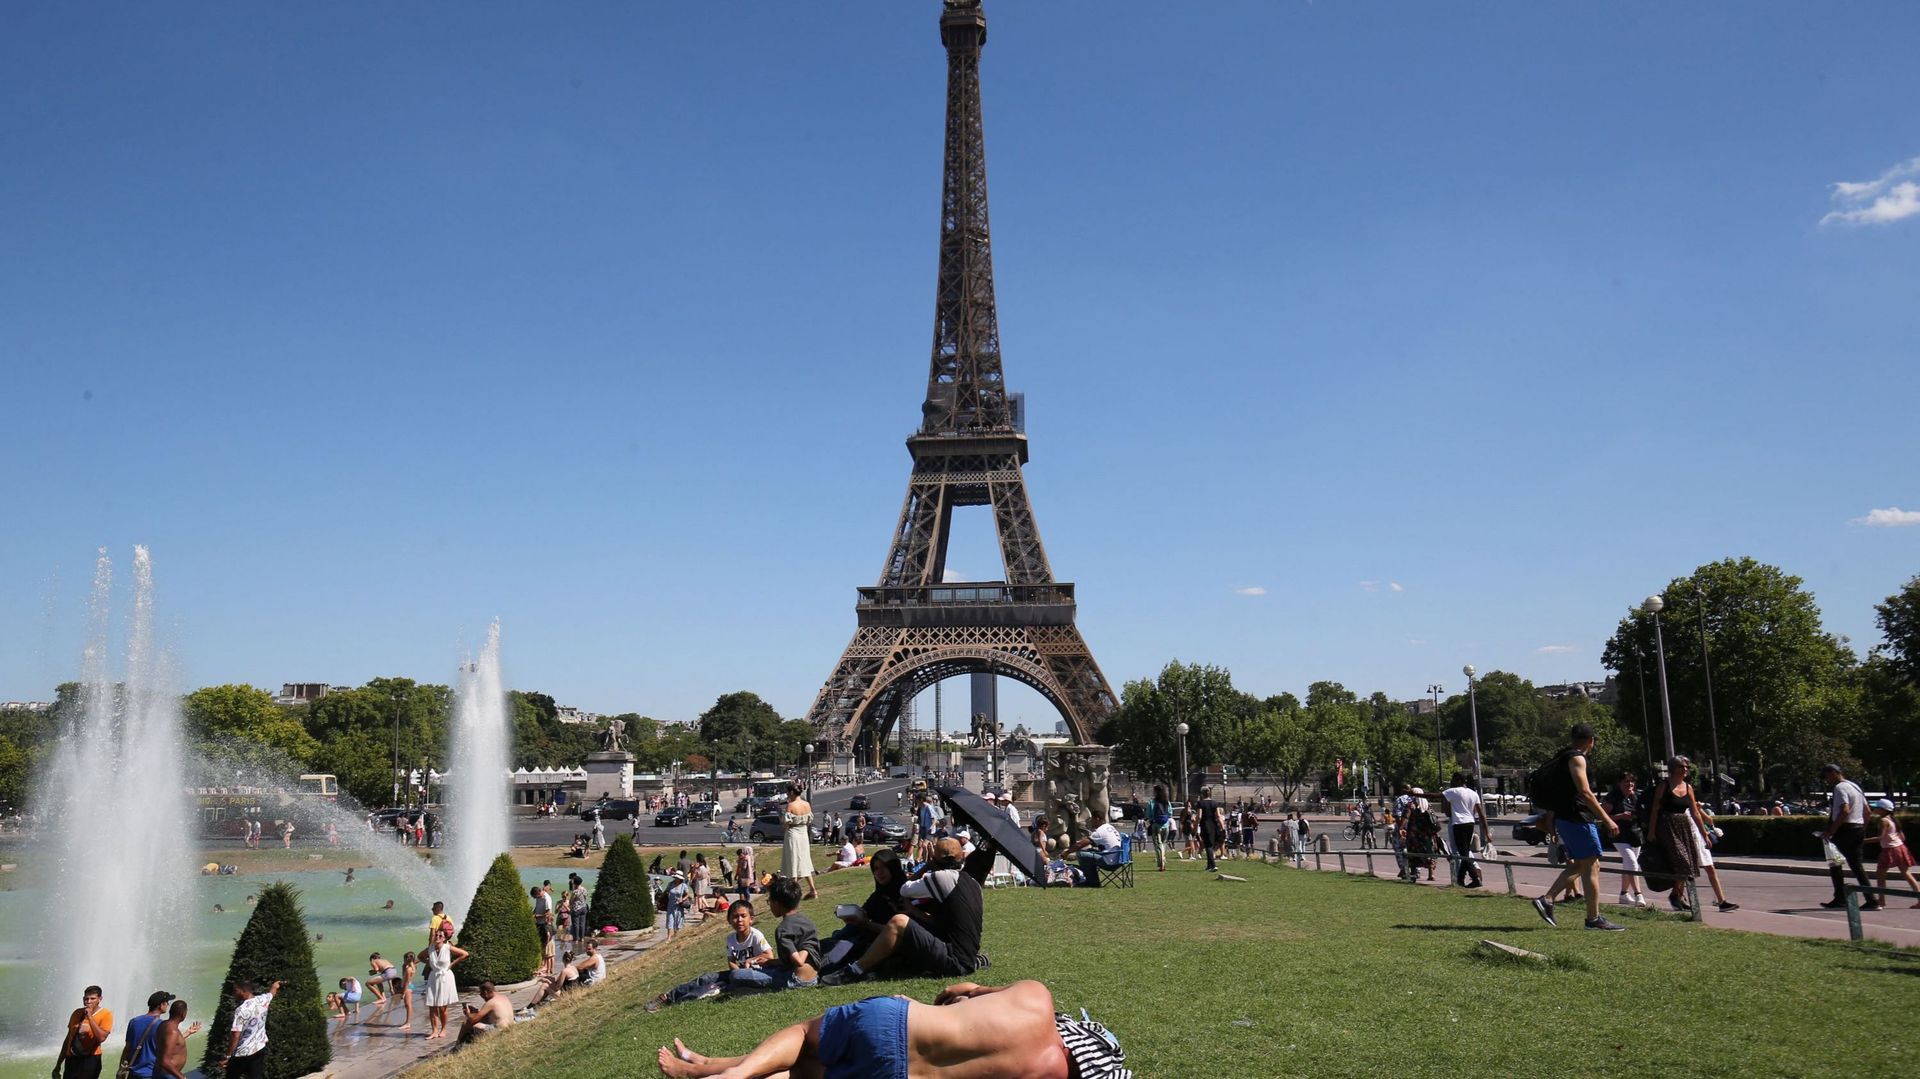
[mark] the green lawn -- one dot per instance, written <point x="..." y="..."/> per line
<point x="1311" y="974"/>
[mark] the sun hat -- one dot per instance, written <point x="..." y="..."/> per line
<point x="1883" y="803"/>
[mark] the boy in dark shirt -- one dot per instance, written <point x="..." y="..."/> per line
<point x="796" y="944"/>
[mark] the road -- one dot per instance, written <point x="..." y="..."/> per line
<point x="552" y="831"/>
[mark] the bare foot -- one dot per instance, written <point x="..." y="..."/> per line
<point x="686" y="1054"/>
<point x="672" y="1065"/>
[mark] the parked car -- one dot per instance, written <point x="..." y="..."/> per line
<point x="859" y="801"/>
<point x="614" y="809"/>
<point x="881" y="828"/>
<point x="1527" y="830"/>
<point x="770" y="827"/>
<point x="703" y="811"/>
<point x="670" y="817"/>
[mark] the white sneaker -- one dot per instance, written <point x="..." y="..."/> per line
<point x="1639" y="899"/>
<point x="1627" y="900"/>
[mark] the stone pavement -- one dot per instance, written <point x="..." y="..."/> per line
<point x="1776" y="895"/>
<point x="376" y="1048"/>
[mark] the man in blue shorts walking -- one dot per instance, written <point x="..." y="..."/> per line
<point x="1577" y="818"/>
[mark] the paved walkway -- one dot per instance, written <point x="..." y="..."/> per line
<point x="375" y="1048"/>
<point x="1776" y="895"/>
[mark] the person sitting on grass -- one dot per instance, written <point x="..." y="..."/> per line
<point x="747" y="948"/>
<point x="942" y="940"/>
<point x="851" y="855"/>
<point x="969" y="1030"/>
<point x="585" y="971"/>
<point x="881" y="905"/>
<point x="494" y="1012"/>
<point x="796" y="944"/>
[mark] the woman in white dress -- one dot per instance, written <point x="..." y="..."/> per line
<point x="441" y="992"/>
<point x="797" y="839"/>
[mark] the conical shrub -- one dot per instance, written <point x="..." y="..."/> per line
<point x="502" y="944"/>
<point x="622" y="895"/>
<point x="275" y="947"/>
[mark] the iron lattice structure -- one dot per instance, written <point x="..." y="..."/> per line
<point x="915" y="628"/>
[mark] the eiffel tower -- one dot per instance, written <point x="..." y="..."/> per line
<point x="915" y="627"/>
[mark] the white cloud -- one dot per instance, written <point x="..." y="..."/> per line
<point x="1891" y="517"/>
<point x="1395" y="585"/>
<point x="951" y="574"/>
<point x="1893" y="196"/>
<point x="1250" y="590"/>
<point x="1557" y="649"/>
<point x="1370" y="586"/>
<point x="1416" y="640"/>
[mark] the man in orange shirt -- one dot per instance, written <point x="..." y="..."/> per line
<point x="87" y="1030"/>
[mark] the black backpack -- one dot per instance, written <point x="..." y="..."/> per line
<point x="1551" y="785"/>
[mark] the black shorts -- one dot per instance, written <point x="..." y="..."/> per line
<point x="921" y="950"/>
<point x="546" y="932"/>
<point x="251" y="1066"/>
<point x="86" y="1067"/>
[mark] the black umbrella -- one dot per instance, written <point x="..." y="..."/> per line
<point x="996" y="831"/>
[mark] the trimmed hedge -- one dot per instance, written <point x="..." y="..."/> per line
<point x="502" y="943"/>
<point x="275" y="947"/>
<point x="622" y="895"/>
<point x="1786" y="837"/>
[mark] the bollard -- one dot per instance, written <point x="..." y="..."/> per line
<point x="1316" y="861"/>
<point x="1854" y="932"/>
<point x="1693" y="900"/>
<point x="1343" y="863"/>
<point x="1369" y="864"/>
<point x="1508" y="866"/>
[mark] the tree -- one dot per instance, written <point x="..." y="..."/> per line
<point x="541" y="740"/>
<point x="622" y="895"/>
<point x="743" y="726"/>
<point x="502" y="943"/>
<point x="275" y="946"/>
<point x="15" y="775"/>
<point x="246" y="726"/>
<point x="1784" y="689"/>
<point x="1889" y="742"/>
<point x="362" y="764"/>
<point x="1143" y="729"/>
<point x="1899" y="621"/>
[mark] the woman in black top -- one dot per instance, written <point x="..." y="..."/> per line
<point x="1669" y="814"/>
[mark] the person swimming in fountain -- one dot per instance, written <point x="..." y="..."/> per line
<point x="349" y="876"/>
<point x="388" y="906"/>
<point x="251" y="900"/>
<point x="218" y="909"/>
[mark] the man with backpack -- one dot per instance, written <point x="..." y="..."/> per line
<point x="1560" y="788"/>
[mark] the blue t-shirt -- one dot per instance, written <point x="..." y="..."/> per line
<point x="144" y="1055"/>
<point x="926" y="821"/>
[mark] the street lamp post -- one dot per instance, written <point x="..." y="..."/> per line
<point x="1181" y="730"/>
<point x="713" y="766"/>
<point x="1653" y="605"/>
<point x="1473" y="716"/>
<point x="1713" y="725"/>
<point x="809" y="770"/>
<point x="1439" y="767"/>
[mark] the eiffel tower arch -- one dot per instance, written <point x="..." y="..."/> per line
<point x="915" y="627"/>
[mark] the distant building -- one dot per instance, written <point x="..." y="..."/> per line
<point x="1599" y="692"/>
<point x="26" y="706"/>
<point x="302" y="692"/>
<point x="569" y="714"/>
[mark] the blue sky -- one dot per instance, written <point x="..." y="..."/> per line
<point x="1454" y="330"/>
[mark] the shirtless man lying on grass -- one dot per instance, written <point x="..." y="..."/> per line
<point x="969" y="1032"/>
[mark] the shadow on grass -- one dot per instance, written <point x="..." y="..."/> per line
<point x="1911" y="972"/>
<point x="1455" y="928"/>
<point x="1559" y="961"/>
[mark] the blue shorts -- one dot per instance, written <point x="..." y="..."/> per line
<point x="1581" y="840"/>
<point x="865" y="1040"/>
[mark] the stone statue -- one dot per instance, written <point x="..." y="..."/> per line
<point x="1076" y="784"/>
<point x="612" y="739"/>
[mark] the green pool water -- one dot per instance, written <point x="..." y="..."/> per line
<point x="349" y="919"/>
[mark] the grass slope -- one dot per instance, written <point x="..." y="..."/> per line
<point x="1310" y="974"/>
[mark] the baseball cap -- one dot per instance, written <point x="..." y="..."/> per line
<point x="1883" y="803"/>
